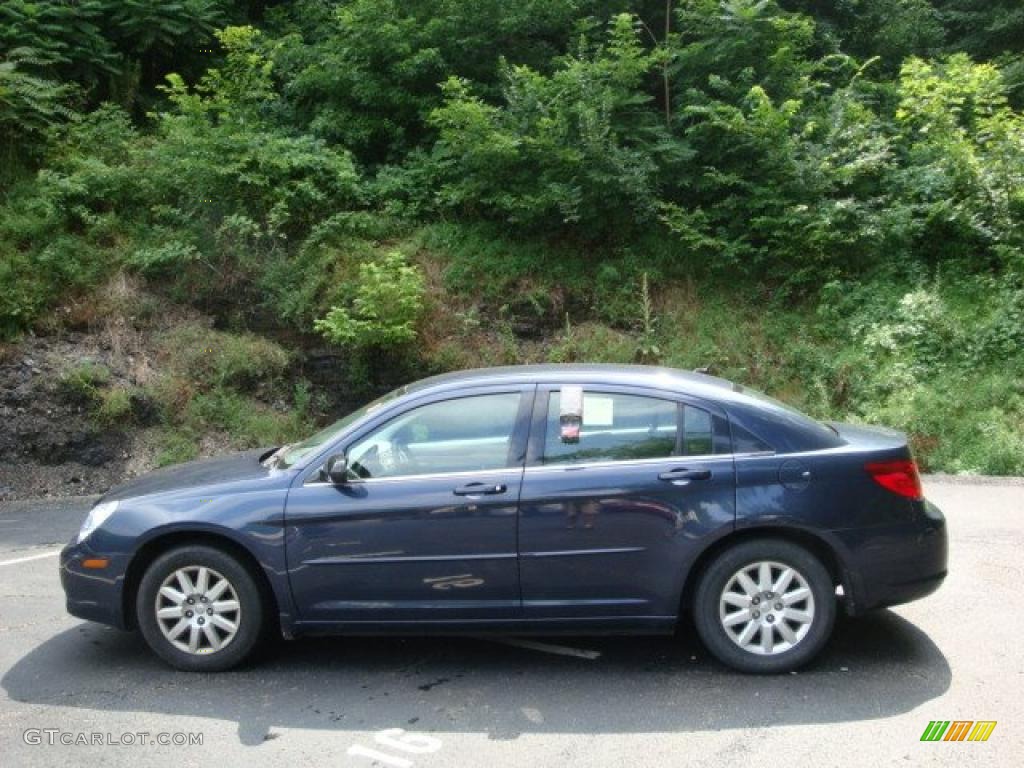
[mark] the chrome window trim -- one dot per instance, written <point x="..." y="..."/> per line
<point x="643" y="462"/>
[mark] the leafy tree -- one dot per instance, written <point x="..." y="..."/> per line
<point x="29" y="105"/>
<point x="991" y="30"/>
<point x="371" y="81"/>
<point x="578" y="147"/>
<point x="68" y="37"/>
<point x="984" y="28"/>
<point x="964" y="168"/>
<point x="890" y="30"/>
<point x="111" y="48"/>
<point x="728" y="46"/>
<point x="786" y="155"/>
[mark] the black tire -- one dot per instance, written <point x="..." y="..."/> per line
<point x="251" y="622"/>
<point x="713" y="583"/>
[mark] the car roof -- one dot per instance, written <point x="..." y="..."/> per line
<point x="654" y="377"/>
<point x="773" y="422"/>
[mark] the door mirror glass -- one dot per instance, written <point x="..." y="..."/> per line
<point x="336" y="470"/>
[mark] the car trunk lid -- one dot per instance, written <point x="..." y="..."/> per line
<point x="870" y="438"/>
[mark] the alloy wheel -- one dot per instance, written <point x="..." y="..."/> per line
<point x="766" y="608"/>
<point x="198" y="610"/>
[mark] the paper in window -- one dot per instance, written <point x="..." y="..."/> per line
<point x="570" y="416"/>
<point x="599" y="411"/>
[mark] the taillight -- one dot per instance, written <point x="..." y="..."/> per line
<point x="897" y="476"/>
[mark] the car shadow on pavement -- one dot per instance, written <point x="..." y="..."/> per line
<point x="876" y="666"/>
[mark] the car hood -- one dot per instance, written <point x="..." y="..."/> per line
<point x="233" y="468"/>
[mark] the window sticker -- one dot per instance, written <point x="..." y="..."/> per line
<point x="570" y="416"/>
<point x="599" y="411"/>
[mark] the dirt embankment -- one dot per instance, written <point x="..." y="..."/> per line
<point x="79" y="410"/>
<point x="51" y="442"/>
<point x="48" y="442"/>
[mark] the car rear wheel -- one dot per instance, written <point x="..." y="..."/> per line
<point x="200" y="609"/>
<point x="765" y="606"/>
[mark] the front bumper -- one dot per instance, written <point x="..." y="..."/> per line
<point x="93" y="594"/>
<point x="895" y="564"/>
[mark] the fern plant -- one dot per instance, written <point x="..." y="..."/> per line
<point x="29" y="104"/>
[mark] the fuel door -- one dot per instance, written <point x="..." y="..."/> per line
<point x="794" y="475"/>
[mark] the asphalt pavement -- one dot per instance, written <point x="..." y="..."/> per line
<point x="625" y="701"/>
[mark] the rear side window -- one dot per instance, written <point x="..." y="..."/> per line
<point x="745" y="441"/>
<point x="615" y="427"/>
<point x="703" y="433"/>
<point x="788" y="429"/>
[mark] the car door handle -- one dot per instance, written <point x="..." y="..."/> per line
<point x="683" y="476"/>
<point x="480" y="489"/>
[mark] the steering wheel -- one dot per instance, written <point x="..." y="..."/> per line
<point x="401" y="453"/>
<point x="395" y="456"/>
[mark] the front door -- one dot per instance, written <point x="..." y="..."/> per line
<point x="610" y="513"/>
<point x="426" y="527"/>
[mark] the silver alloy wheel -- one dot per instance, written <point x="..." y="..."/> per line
<point x="766" y="608"/>
<point x="198" y="610"/>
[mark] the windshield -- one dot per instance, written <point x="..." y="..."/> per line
<point x="291" y="454"/>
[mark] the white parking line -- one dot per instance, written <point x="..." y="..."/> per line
<point x="30" y="557"/>
<point x="533" y="645"/>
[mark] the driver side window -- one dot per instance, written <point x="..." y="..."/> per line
<point x="462" y="435"/>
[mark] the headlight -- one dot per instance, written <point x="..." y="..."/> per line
<point x="96" y="517"/>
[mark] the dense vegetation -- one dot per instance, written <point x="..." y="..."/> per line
<point x="824" y="200"/>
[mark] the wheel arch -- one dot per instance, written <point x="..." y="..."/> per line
<point x="812" y="541"/>
<point x="169" y="540"/>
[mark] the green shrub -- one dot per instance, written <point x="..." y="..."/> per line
<point x="236" y="421"/>
<point x="592" y="343"/>
<point x="83" y="383"/>
<point x="937" y="361"/>
<point x="364" y="73"/>
<point x="388" y="302"/>
<point x="29" y="105"/>
<point x="115" y="406"/>
<point x="212" y="359"/>
<point x="959" y="422"/>
<point x="247" y="423"/>
<point x="63" y="234"/>
<point x="175" y="446"/>
<point x="302" y="286"/>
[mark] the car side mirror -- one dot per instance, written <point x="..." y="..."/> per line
<point x="336" y="470"/>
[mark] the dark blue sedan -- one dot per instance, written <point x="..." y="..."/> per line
<point x="540" y="499"/>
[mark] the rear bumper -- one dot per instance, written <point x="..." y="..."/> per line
<point x="94" y="595"/>
<point x="895" y="564"/>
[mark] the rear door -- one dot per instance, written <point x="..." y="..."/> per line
<point x="609" y="519"/>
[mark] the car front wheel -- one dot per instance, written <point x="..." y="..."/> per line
<point x="765" y="606"/>
<point x="199" y="609"/>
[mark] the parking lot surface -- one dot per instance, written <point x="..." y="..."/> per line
<point x="957" y="655"/>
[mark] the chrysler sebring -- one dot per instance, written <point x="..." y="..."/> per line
<point x="536" y="499"/>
